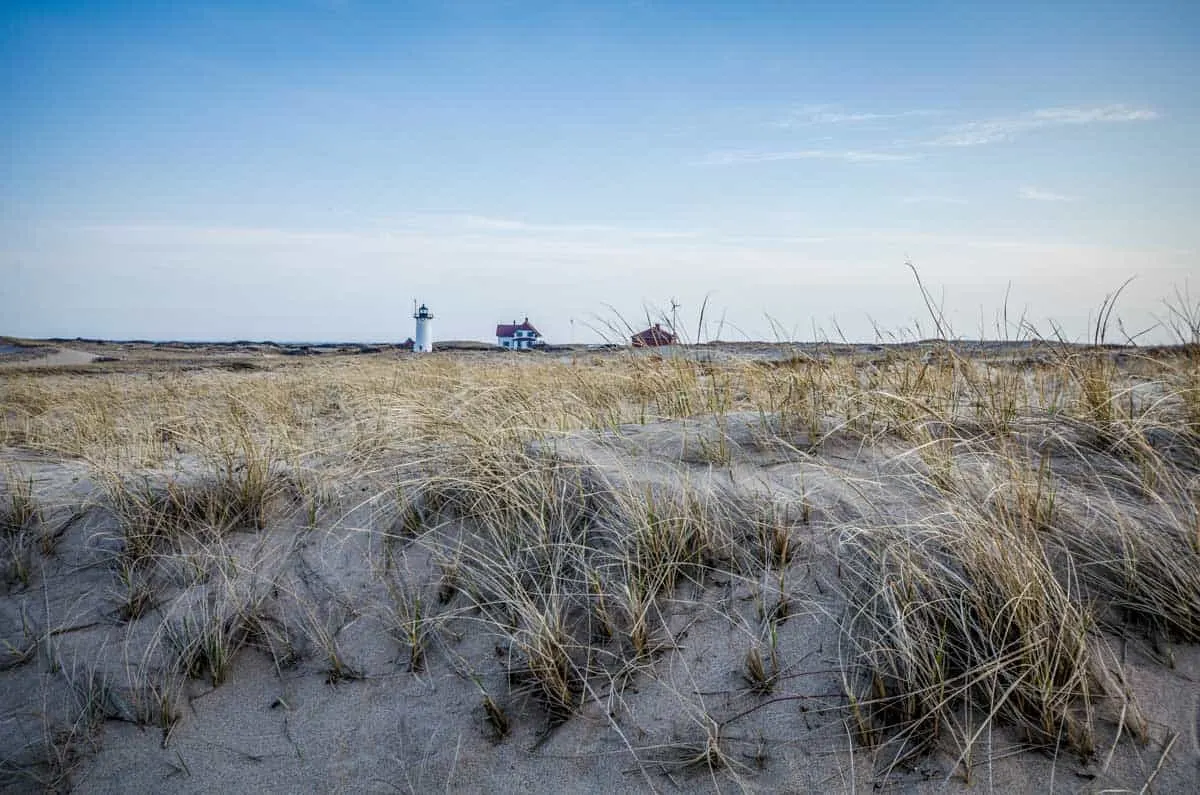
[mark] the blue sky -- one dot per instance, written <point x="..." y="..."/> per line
<point x="304" y="170"/>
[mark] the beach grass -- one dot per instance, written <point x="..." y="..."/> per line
<point x="1011" y="511"/>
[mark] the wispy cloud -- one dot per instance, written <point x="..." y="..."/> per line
<point x="405" y="232"/>
<point x="175" y="235"/>
<point x="931" y="199"/>
<point x="811" y="115"/>
<point x="496" y="225"/>
<point x="489" y="224"/>
<point x="1039" y="195"/>
<point x="977" y="133"/>
<point x="740" y="156"/>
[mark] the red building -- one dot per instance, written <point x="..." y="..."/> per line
<point x="653" y="337"/>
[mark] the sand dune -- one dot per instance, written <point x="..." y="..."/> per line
<point x="439" y="543"/>
<point x="47" y="357"/>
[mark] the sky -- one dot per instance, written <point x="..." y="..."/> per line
<point x="305" y="170"/>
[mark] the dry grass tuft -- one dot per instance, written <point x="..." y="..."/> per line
<point x="20" y="516"/>
<point x="959" y="610"/>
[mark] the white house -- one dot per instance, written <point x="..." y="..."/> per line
<point x="518" y="336"/>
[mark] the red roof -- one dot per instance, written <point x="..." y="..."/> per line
<point x="651" y="337"/>
<point x="511" y="329"/>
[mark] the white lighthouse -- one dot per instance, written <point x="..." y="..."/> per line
<point x="424" y="340"/>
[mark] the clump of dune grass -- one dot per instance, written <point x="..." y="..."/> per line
<point x="161" y="513"/>
<point x="205" y="625"/>
<point x="1131" y="527"/>
<point x="522" y="562"/>
<point x="762" y="672"/>
<point x="18" y="505"/>
<point x="706" y="752"/>
<point x="1182" y="318"/>
<point x="205" y="636"/>
<point x="988" y="606"/>
<point x="19" y="517"/>
<point x="157" y="701"/>
<point x="570" y="564"/>
<point x="411" y="623"/>
<point x="64" y="747"/>
<point x="1095" y="373"/>
<point x="137" y="593"/>
<point x="963" y="616"/>
<point x="956" y="611"/>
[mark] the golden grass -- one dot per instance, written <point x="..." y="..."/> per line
<point x="1056" y="496"/>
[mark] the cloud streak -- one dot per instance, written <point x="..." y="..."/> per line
<point x="931" y="199"/>
<point x="444" y="234"/>
<point x="812" y="115"/>
<point x="979" y="133"/>
<point x="495" y="225"/>
<point x="962" y="135"/>
<point x="744" y="156"/>
<point x="415" y="233"/>
<point x="1039" y="195"/>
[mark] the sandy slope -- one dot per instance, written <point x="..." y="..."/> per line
<point x="54" y="357"/>
<point x="282" y="722"/>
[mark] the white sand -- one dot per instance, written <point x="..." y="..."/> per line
<point x="54" y="357"/>
<point x="286" y="728"/>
